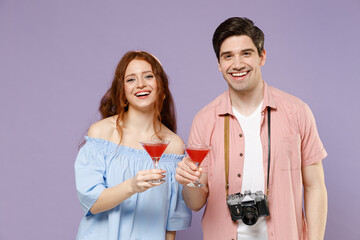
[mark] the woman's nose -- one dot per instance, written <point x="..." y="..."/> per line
<point x="141" y="83"/>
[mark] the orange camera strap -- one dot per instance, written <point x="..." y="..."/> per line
<point x="226" y="152"/>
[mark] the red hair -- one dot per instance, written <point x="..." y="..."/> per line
<point x="114" y="101"/>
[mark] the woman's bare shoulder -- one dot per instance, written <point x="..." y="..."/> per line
<point x="103" y="129"/>
<point x="176" y="145"/>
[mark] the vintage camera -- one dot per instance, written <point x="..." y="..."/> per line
<point x="248" y="206"/>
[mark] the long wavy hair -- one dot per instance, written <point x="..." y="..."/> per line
<point x="114" y="101"/>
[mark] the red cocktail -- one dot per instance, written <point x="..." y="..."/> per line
<point x="197" y="153"/>
<point x="155" y="148"/>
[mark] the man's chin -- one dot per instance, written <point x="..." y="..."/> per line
<point x="237" y="87"/>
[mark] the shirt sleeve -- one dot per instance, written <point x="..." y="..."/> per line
<point x="179" y="216"/>
<point x="312" y="149"/>
<point x="90" y="175"/>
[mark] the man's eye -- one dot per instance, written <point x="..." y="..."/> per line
<point x="227" y="56"/>
<point x="246" y="53"/>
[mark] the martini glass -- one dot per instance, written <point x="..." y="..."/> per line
<point x="155" y="148"/>
<point x="197" y="153"/>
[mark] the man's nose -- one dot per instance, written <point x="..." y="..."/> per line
<point x="237" y="62"/>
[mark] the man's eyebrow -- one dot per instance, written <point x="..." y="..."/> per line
<point x="248" y="50"/>
<point x="225" y="53"/>
<point x="244" y="50"/>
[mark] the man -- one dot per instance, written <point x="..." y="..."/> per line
<point x="295" y="157"/>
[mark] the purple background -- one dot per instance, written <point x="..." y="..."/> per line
<point x="57" y="60"/>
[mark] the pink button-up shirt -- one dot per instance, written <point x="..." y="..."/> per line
<point x="295" y="143"/>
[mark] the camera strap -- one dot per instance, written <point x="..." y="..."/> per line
<point x="226" y="151"/>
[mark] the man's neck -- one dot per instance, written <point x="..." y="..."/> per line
<point x="247" y="102"/>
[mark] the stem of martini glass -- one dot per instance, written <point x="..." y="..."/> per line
<point x="156" y="162"/>
<point x="197" y="166"/>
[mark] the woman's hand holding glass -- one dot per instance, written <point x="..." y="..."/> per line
<point x="143" y="180"/>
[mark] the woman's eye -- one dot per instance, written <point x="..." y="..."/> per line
<point x="130" y="80"/>
<point x="149" y="76"/>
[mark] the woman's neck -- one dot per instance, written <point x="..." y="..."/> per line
<point x="141" y="121"/>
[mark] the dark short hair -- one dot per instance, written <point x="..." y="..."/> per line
<point x="237" y="26"/>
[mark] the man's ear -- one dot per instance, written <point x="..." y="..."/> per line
<point x="263" y="57"/>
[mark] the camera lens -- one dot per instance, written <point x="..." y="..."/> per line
<point x="250" y="215"/>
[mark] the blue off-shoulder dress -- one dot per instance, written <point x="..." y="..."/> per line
<point x="102" y="164"/>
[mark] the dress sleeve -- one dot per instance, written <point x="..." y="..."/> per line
<point x="90" y="175"/>
<point x="312" y="149"/>
<point x="179" y="216"/>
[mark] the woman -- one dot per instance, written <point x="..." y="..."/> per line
<point x="113" y="170"/>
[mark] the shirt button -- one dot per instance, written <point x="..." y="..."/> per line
<point x="241" y="154"/>
<point x="240" y="135"/>
<point x="239" y="175"/>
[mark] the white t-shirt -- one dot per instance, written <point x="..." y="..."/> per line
<point x="253" y="172"/>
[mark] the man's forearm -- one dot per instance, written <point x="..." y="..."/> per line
<point x="316" y="212"/>
<point x="315" y="197"/>
<point x="195" y="198"/>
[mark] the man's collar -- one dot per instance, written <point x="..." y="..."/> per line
<point x="268" y="98"/>
<point x="226" y="107"/>
<point x="225" y="104"/>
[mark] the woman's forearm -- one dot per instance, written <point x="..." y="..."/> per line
<point x="170" y="235"/>
<point x="111" y="197"/>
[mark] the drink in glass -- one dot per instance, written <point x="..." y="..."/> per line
<point x="197" y="153"/>
<point x="155" y="148"/>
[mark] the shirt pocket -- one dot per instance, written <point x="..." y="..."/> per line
<point x="290" y="152"/>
